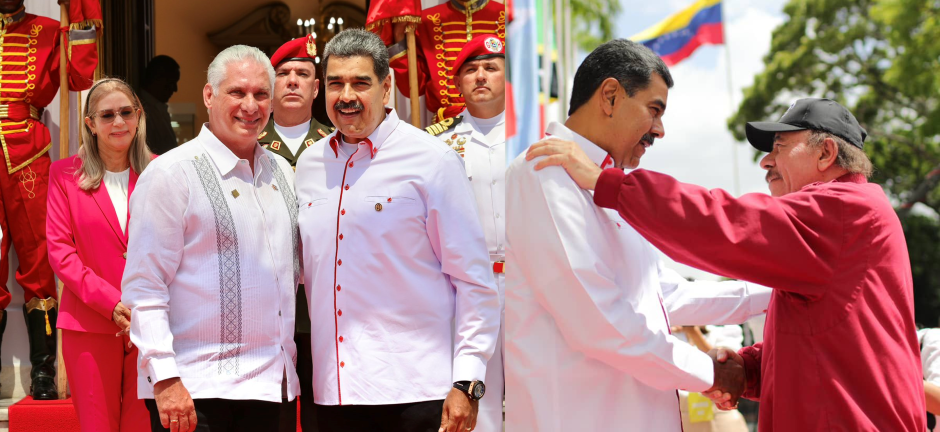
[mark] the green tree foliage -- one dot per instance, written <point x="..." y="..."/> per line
<point x="923" y="245"/>
<point x="881" y="59"/>
<point x="593" y="22"/>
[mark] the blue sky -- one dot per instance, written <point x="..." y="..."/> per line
<point x="697" y="147"/>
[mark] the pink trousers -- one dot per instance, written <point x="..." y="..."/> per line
<point x="102" y="375"/>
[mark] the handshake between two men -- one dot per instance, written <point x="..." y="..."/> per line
<point x="730" y="378"/>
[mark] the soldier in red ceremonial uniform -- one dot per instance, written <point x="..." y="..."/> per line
<point x="442" y="33"/>
<point x="29" y="80"/>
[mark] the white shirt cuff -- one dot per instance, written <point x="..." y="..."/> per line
<point x="161" y="369"/>
<point x="758" y="298"/>
<point x="469" y="368"/>
<point x="701" y="367"/>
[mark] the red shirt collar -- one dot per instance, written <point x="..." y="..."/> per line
<point x="852" y="178"/>
<point x="335" y="141"/>
<point x="390" y="117"/>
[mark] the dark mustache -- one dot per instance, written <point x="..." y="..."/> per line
<point x="648" y="138"/>
<point x="340" y="105"/>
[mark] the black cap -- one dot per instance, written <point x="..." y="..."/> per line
<point x="810" y="113"/>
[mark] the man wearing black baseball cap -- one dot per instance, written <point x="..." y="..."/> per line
<point x="841" y="346"/>
<point x="822" y="118"/>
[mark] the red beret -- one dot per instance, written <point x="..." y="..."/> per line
<point x="297" y="49"/>
<point x="481" y="47"/>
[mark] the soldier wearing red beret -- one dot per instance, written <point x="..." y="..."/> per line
<point x="478" y="134"/>
<point x="443" y="31"/>
<point x="295" y="88"/>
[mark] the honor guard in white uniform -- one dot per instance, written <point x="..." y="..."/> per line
<point x="478" y="134"/>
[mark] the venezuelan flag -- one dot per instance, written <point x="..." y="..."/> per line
<point x="677" y="36"/>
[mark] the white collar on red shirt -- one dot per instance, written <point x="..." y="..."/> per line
<point x="374" y="141"/>
<point x="595" y="153"/>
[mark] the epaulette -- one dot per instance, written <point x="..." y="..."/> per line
<point x="443" y="126"/>
<point x="326" y="133"/>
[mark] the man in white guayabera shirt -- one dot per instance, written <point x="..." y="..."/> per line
<point x="394" y="261"/>
<point x="213" y="265"/>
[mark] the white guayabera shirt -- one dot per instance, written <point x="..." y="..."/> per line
<point x="588" y="310"/>
<point x="212" y="272"/>
<point x="398" y="279"/>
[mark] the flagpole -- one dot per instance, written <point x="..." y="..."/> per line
<point x="561" y="54"/>
<point x="546" y="64"/>
<point x="734" y="144"/>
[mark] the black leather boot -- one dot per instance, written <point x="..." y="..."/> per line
<point x="3" y="324"/>
<point x="40" y="326"/>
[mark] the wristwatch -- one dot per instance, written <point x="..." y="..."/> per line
<point x="473" y="389"/>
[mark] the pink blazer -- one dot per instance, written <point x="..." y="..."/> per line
<point x="87" y="249"/>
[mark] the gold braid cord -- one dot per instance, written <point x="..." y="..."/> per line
<point x="85" y="25"/>
<point x="409" y="19"/>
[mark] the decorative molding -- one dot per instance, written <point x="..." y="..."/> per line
<point x="266" y="28"/>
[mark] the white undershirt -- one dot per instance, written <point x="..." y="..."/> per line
<point x="116" y="185"/>
<point x="293" y="136"/>
<point x="349" y="148"/>
<point x="494" y="129"/>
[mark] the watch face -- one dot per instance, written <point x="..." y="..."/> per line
<point x="479" y="390"/>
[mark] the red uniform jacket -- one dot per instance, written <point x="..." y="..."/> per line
<point x="443" y="31"/>
<point x="840" y="350"/>
<point x="29" y="80"/>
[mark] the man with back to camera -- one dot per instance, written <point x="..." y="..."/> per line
<point x="157" y="86"/>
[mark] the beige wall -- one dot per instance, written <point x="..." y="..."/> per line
<point x="181" y="28"/>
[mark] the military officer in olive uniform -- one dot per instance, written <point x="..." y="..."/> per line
<point x="479" y="135"/>
<point x="291" y="130"/>
<point x="296" y="86"/>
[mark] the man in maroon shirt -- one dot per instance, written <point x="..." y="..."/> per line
<point x="840" y="349"/>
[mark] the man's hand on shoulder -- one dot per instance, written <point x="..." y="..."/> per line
<point x="569" y="156"/>
<point x="730" y="379"/>
<point x="460" y="413"/>
<point x="177" y="411"/>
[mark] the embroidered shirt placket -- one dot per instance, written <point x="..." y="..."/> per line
<point x="267" y="241"/>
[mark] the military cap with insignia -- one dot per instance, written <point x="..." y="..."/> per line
<point x="303" y="49"/>
<point x="481" y="47"/>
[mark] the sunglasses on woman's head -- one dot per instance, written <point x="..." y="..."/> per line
<point x="127" y="113"/>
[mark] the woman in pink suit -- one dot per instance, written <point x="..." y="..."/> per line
<point x="87" y="241"/>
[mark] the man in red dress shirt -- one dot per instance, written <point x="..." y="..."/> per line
<point x="840" y="349"/>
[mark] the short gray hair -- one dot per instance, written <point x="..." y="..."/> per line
<point x="236" y="53"/>
<point x="852" y="158"/>
<point x="358" y="43"/>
